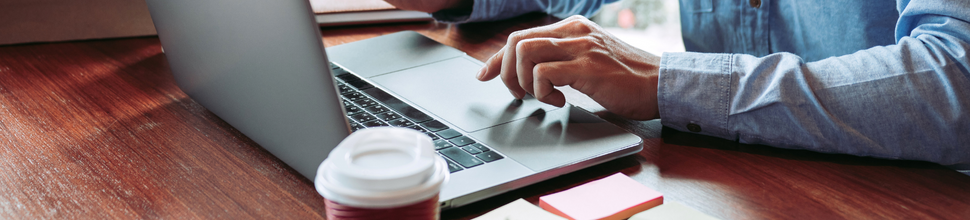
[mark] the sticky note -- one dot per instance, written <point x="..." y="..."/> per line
<point x="519" y="210"/>
<point x="614" y="197"/>
<point x="671" y="210"/>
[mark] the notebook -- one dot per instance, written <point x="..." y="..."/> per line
<point x="261" y="67"/>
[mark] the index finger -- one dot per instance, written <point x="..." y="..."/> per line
<point x="503" y="62"/>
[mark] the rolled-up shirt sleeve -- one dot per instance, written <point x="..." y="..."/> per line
<point x="491" y="10"/>
<point x="910" y="100"/>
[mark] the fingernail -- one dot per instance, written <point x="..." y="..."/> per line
<point x="481" y="73"/>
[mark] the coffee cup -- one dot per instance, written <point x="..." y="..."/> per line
<point x="382" y="173"/>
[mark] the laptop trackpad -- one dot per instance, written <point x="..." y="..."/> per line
<point x="449" y="90"/>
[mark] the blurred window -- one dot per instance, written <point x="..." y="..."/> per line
<point x="651" y="25"/>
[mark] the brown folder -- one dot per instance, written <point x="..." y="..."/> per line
<point x="336" y="6"/>
<point x="353" y="12"/>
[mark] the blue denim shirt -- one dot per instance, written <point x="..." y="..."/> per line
<point x="863" y="77"/>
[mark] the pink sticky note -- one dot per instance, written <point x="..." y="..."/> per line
<point x="614" y="197"/>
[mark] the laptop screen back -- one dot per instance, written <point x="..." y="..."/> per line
<point x="260" y="66"/>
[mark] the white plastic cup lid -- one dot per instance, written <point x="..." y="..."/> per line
<point x="382" y="167"/>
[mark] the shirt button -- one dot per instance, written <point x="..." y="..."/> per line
<point x="693" y="127"/>
<point x="755" y="3"/>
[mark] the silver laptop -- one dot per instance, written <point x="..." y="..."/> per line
<point x="260" y="65"/>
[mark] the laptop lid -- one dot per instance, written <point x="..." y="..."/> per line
<point x="259" y="65"/>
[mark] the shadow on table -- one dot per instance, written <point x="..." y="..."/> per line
<point x="478" y="32"/>
<point x="676" y="137"/>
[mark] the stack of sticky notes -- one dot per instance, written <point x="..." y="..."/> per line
<point x="519" y="210"/>
<point x="613" y="197"/>
<point x="671" y="210"/>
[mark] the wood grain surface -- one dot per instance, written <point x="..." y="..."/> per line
<point x="99" y="130"/>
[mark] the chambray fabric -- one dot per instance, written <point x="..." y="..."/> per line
<point x="865" y="77"/>
<point x="823" y="76"/>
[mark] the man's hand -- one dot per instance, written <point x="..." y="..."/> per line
<point x="578" y="53"/>
<point x="431" y="6"/>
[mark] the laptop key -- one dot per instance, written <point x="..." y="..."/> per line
<point x="462" y="141"/>
<point x="366" y="103"/>
<point x="355" y="126"/>
<point x="354" y="96"/>
<point x="452" y="166"/>
<point x="472" y="150"/>
<point x="344" y="88"/>
<point x="478" y="147"/>
<point x="413" y="114"/>
<point x="348" y="106"/>
<point x="434" y="125"/>
<point x="398" y="105"/>
<point x="343" y="74"/>
<point x="417" y="127"/>
<point x="374" y="109"/>
<point x="388" y="116"/>
<point x="346" y="76"/>
<point x="448" y="133"/>
<point x="363" y="116"/>
<point x="400" y="122"/>
<point x="489" y="156"/>
<point x="375" y="123"/>
<point x="461" y="157"/>
<point x="359" y="84"/>
<point x="353" y="110"/>
<point x="442" y="144"/>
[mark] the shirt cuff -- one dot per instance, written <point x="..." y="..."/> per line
<point x="694" y="93"/>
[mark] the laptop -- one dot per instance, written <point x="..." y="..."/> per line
<point x="261" y="66"/>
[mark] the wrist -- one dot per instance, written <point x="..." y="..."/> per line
<point x="650" y="67"/>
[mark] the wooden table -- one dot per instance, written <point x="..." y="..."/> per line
<point x="98" y="129"/>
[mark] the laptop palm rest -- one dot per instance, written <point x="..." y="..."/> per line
<point x="448" y="89"/>
<point x="538" y="135"/>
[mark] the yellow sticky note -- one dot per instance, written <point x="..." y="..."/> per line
<point x="671" y="210"/>
<point x="519" y="210"/>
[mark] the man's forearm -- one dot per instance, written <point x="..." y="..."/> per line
<point x="904" y="101"/>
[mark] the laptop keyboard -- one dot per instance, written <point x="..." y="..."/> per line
<point x="367" y="106"/>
